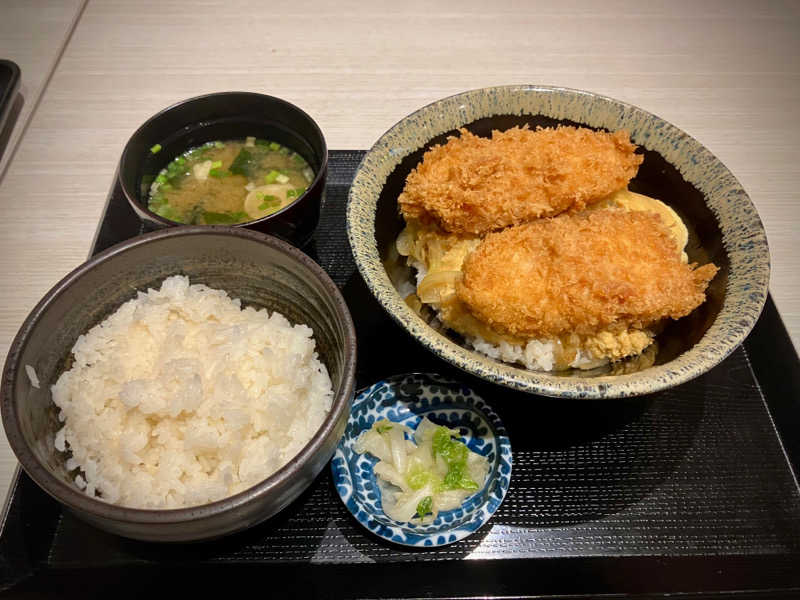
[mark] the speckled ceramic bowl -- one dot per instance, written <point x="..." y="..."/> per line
<point x="723" y="224"/>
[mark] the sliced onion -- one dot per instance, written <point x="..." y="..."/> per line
<point x="438" y="286"/>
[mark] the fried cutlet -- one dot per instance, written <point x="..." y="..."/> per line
<point x="474" y="185"/>
<point x="607" y="269"/>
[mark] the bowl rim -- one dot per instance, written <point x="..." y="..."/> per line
<point x="134" y="199"/>
<point x="391" y="148"/>
<point x="78" y="500"/>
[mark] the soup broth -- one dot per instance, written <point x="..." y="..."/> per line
<point x="229" y="182"/>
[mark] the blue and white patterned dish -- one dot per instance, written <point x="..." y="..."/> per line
<point x="407" y="399"/>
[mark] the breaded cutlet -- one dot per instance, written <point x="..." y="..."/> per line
<point x="473" y="185"/>
<point x="606" y="269"/>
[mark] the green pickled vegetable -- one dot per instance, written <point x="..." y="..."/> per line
<point x="429" y="480"/>
<point x="383" y="428"/>
<point x="454" y="454"/>
<point x="424" y="507"/>
<point x="418" y="477"/>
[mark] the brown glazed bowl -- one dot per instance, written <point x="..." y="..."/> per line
<point x="225" y="116"/>
<point x="260" y="270"/>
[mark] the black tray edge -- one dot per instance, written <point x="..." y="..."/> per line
<point x="776" y="366"/>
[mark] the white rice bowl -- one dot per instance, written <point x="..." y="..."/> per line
<point x="181" y="398"/>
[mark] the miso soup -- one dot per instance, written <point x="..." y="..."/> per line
<point x="229" y="182"/>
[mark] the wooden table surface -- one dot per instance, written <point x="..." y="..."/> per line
<point x="726" y="72"/>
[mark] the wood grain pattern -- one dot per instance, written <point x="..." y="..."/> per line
<point x="32" y="34"/>
<point x="725" y="72"/>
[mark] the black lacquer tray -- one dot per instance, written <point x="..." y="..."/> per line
<point x="689" y="491"/>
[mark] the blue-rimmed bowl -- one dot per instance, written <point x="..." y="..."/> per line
<point x="407" y="399"/>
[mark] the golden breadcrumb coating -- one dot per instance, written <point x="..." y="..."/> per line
<point x="476" y="185"/>
<point x="607" y="269"/>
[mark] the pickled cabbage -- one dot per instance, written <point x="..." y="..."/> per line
<point x="424" y="475"/>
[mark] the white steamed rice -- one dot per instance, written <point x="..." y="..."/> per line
<point x="181" y="397"/>
<point x="535" y="355"/>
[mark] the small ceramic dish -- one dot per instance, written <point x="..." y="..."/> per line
<point x="407" y="399"/>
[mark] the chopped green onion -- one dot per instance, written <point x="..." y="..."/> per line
<point x="424" y="507"/>
<point x="219" y="145"/>
<point x="155" y="149"/>
<point x="180" y="160"/>
<point x="166" y="211"/>
<point x="216" y="164"/>
<point x="216" y="218"/>
<point x="260" y="142"/>
<point x="219" y="173"/>
<point x="274" y="146"/>
<point x="268" y="201"/>
<point x="284" y="150"/>
<point x="299" y="159"/>
<point x="162" y="178"/>
<point x="271" y="176"/>
<point x="166" y="187"/>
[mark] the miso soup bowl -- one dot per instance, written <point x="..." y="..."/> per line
<point x="263" y="272"/>
<point x="724" y="228"/>
<point x="228" y="116"/>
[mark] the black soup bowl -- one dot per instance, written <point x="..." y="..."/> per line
<point x="227" y="116"/>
